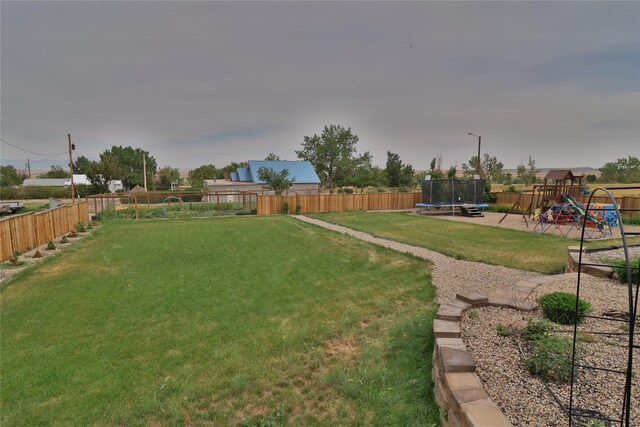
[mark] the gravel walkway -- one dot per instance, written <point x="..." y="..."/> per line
<point x="450" y="275"/>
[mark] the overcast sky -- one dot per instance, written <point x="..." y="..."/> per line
<point x="212" y="82"/>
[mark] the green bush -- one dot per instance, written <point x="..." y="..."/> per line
<point x="284" y="208"/>
<point x="64" y="239"/>
<point x="631" y="220"/>
<point x="620" y="268"/>
<point x="298" y="209"/>
<point x="33" y="192"/>
<point x="80" y="228"/>
<point x="560" y="307"/>
<point x="51" y="246"/>
<point x="551" y="358"/>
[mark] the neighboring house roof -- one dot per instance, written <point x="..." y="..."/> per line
<point x="45" y="182"/>
<point x="559" y="174"/>
<point x="244" y="174"/>
<point x="301" y="172"/>
<point x="78" y="179"/>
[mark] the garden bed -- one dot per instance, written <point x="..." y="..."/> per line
<point x="494" y="336"/>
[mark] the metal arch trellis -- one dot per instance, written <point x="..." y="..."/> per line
<point x="578" y="415"/>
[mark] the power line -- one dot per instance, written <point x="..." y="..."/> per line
<point x="31" y="152"/>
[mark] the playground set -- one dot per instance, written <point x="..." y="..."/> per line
<point x="553" y="205"/>
<point x="448" y="196"/>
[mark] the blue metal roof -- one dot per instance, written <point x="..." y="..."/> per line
<point x="300" y="171"/>
<point x="234" y="176"/>
<point x="244" y="174"/>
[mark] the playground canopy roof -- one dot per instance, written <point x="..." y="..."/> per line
<point x="560" y="174"/>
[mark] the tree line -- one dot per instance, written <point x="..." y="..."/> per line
<point x="333" y="154"/>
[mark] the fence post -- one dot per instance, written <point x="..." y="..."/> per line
<point x="135" y="201"/>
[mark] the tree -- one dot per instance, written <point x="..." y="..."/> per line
<point x="331" y="153"/>
<point x="451" y="173"/>
<point x="9" y="176"/>
<point x="82" y="165"/>
<point x="55" y="172"/>
<point x="434" y="168"/>
<point x="199" y="174"/>
<point x="165" y="177"/>
<point x="622" y="170"/>
<point x="364" y="174"/>
<point x="231" y="167"/>
<point x="490" y="168"/>
<point x="277" y="181"/>
<point x="591" y="178"/>
<point x="126" y="164"/>
<point x="398" y="174"/>
<point x="102" y="172"/>
<point x="272" y="156"/>
<point x="527" y="174"/>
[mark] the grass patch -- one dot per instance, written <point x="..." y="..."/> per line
<point x="255" y="321"/>
<point x="491" y="245"/>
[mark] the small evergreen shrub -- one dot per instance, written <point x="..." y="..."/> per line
<point x="51" y="246"/>
<point x="80" y="228"/>
<point x="284" y="208"/>
<point x="64" y="239"/>
<point x="73" y="233"/>
<point x="37" y="254"/>
<point x="298" y="209"/>
<point x="560" y="307"/>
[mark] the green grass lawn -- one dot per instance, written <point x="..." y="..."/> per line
<point x="230" y="321"/>
<point x="491" y="245"/>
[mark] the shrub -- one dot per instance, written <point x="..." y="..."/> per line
<point x="284" y="208"/>
<point x="537" y="329"/>
<point x="620" y="268"/>
<point x="560" y="307"/>
<point x="80" y="228"/>
<point x="511" y="189"/>
<point x="298" y="209"/>
<point x="13" y="260"/>
<point x="37" y="254"/>
<point x="73" y="233"/>
<point x="64" y="239"/>
<point x="550" y="358"/>
<point x="51" y="246"/>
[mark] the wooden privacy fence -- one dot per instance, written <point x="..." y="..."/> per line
<point x="629" y="202"/>
<point x="318" y="203"/>
<point x="21" y="233"/>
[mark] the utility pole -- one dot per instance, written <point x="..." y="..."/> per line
<point x="479" y="140"/>
<point x="71" y="148"/>
<point x="29" y="168"/>
<point x="144" y="169"/>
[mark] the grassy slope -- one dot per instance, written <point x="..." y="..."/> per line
<point x="225" y="321"/>
<point x="491" y="245"/>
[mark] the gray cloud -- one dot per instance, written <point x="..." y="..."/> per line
<point x="203" y="82"/>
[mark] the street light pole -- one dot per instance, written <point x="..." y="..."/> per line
<point x="479" y="140"/>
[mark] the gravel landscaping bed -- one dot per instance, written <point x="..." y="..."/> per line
<point x="600" y="256"/>
<point x="29" y="258"/>
<point x="522" y="397"/>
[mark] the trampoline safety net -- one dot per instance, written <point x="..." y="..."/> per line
<point x="452" y="192"/>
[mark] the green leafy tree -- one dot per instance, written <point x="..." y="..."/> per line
<point x="198" y="175"/>
<point x="490" y="168"/>
<point x="451" y="173"/>
<point x="277" y="181"/>
<point x="527" y="174"/>
<point x="82" y="165"/>
<point x="272" y="156"/>
<point x="398" y="173"/>
<point x="331" y="153"/>
<point x="434" y="168"/>
<point x="126" y="164"/>
<point x="364" y="174"/>
<point x="165" y="177"/>
<point x="102" y="172"/>
<point x="55" y="172"/>
<point x="622" y="171"/>
<point x="9" y="176"/>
